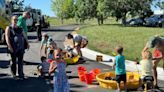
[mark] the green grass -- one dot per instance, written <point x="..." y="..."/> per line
<point x="56" y="22"/>
<point x="106" y="37"/>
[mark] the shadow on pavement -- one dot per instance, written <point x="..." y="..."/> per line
<point x="3" y="50"/>
<point x="32" y="84"/>
<point x="72" y="77"/>
<point x="76" y="86"/>
<point x="30" y="63"/>
<point x="4" y="75"/>
<point x="161" y="89"/>
<point x="4" y="63"/>
<point x="32" y="37"/>
<point x="74" y="91"/>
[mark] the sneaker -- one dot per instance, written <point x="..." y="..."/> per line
<point x="15" y="77"/>
<point x="21" y="79"/>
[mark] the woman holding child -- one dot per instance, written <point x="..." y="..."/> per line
<point x="157" y="43"/>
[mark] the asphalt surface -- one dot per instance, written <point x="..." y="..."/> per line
<point x="32" y="58"/>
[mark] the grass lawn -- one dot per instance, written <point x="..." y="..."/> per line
<point x="106" y="37"/>
<point x="56" y="22"/>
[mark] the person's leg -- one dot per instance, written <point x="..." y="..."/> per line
<point x="78" y="49"/>
<point x="140" y="84"/>
<point x="39" y="33"/>
<point x="125" y="87"/>
<point x="118" y="80"/>
<point x="155" y="63"/>
<point x="118" y="87"/>
<point x="124" y="80"/>
<point x="152" y="86"/>
<point x="13" y="66"/>
<point x="20" y="65"/>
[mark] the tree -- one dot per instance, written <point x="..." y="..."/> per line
<point x="85" y="9"/>
<point x="100" y="11"/>
<point x="161" y="6"/>
<point x="17" y="5"/>
<point x="120" y="8"/>
<point x="63" y="8"/>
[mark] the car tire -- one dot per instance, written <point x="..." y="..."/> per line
<point x="160" y="24"/>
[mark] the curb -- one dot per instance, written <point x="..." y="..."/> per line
<point x="130" y="65"/>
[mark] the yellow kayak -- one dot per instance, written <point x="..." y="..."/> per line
<point x="72" y="60"/>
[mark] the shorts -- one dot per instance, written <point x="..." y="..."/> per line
<point x="157" y="54"/>
<point x="120" y="78"/>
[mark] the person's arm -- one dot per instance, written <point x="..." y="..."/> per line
<point x="145" y="48"/>
<point x="7" y="35"/>
<point x="42" y="45"/>
<point x="114" y="64"/>
<point x="19" y="23"/>
<point x="28" y="46"/>
<point x="52" y="67"/>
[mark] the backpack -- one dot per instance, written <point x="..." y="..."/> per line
<point x="17" y="39"/>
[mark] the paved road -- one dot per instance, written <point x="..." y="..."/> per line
<point x="35" y="84"/>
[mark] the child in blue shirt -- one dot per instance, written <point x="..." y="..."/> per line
<point x="119" y="66"/>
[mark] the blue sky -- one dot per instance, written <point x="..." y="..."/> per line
<point x="45" y="6"/>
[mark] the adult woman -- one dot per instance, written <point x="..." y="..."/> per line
<point x="15" y="39"/>
<point x="157" y="43"/>
<point x="79" y="42"/>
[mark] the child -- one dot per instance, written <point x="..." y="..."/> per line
<point x="43" y="47"/>
<point x="69" y="45"/>
<point x="50" y="51"/>
<point x="146" y="67"/>
<point x="51" y="55"/>
<point x="43" y="68"/>
<point x="60" y="78"/>
<point x="119" y="66"/>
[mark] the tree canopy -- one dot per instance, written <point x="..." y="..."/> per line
<point x="100" y="9"/>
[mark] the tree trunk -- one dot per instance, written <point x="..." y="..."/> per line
<point x="98" y="21"/>
<point x="102" y="19"/>
<point x="62" y="20"/>
<point x="124" y="20"/>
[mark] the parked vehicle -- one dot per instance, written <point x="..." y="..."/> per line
<point x="45" y="23"/>
<point x="161" y="22"/>
<point x="135" y="22"/>
<point x="155" y="20"/>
